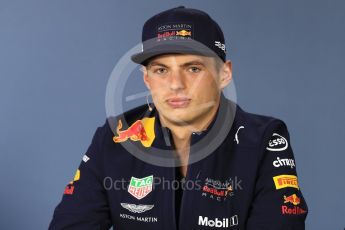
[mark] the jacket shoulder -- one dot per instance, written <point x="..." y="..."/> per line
<point x="258" y="128"/>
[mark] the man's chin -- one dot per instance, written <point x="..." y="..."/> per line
<point x="179" y="118"/>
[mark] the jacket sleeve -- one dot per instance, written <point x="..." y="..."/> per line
<point x="278" y="203"/>
<point x="84" y="203"/>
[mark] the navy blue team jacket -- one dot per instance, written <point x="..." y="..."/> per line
<point x="249" y="181"/>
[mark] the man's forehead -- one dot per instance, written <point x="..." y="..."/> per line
<point x="180" y="59"/>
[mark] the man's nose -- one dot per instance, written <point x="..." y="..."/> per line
<point x="177" y="80"/>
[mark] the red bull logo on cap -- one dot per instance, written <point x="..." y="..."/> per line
<point x="184" y="33"/>
<point x="140" y="130"/>
<point x="174" y="31"/>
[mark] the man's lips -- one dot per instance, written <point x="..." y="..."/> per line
<point x="178" y="102"/>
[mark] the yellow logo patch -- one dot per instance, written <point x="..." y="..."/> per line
<point x="284" y="181"/>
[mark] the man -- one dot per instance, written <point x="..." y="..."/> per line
<point x="240" y="166"/>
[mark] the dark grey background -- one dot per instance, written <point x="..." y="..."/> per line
<point x="56" y="57"/>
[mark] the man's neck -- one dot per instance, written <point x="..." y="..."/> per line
<point x="182" y="134"/>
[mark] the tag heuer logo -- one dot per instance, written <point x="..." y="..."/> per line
<point x="140" y="187"/>
<point x="140" y="208"/>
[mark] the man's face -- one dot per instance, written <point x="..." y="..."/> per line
<point x="184" y="87"/>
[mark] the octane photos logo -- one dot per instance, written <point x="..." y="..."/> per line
<point x="277" y="143"/>
<point x="140" y="187"/>
<point x="140" y="208"/>
<point x="133" y="185"/>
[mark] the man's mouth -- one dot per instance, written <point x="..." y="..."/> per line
<point x="178" y="102"/>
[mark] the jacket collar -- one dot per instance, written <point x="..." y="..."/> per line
<point x="163" y="135"/>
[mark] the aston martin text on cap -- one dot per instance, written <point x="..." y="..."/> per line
<point x="181" y="30"/>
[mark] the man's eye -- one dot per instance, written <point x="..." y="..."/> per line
<point x="160" y="70"/>
<point x="194" y="69"/>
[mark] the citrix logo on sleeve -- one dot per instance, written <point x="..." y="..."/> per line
<point x="277" y="143"/>
<point x="284" y="162"/>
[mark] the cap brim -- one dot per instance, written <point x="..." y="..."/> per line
<point x="173" y="48"/>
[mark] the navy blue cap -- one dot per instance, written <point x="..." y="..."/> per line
<point x="181" y="30"/>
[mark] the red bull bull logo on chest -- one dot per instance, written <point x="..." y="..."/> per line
<point x="141" y="130"/>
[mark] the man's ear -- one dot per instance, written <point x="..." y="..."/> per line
<point x="225" y="74"/>
<point x="145" y="77"/>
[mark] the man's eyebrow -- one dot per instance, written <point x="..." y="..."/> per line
<point x="193" y="62"/>
<point x="154" y="63"/>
